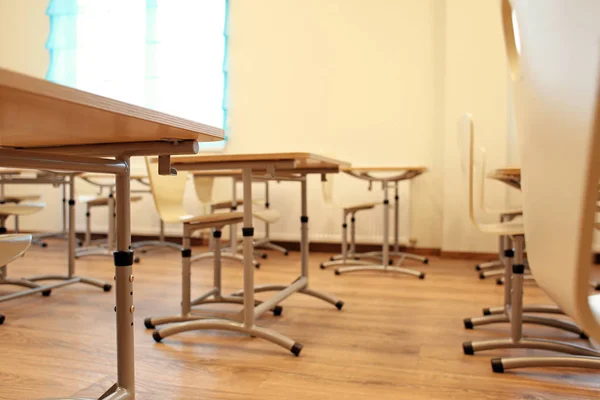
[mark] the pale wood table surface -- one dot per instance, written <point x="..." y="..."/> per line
<point x="510" y="176"/>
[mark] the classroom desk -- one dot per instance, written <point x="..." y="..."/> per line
<point x="298" y="165"/>
<point x="393" y="175"/>
<point x="48" y="126"/>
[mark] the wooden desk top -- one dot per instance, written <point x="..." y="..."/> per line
<point x="284" y="162"/>
<point x="510" y="176"/>
<point x="384" y="169"/>
<point x="506" y="171"/>
<point x="38" y="113"/>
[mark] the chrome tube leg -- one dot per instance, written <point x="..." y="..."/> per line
<point x="386" y="225"/>
<point x="344" y="236"/>
<point x="353" y="235"/>
<point x="88" y="227"/>
<point x="111" y="222"/>
<point x="186" y="271"/>
<point x="248" y="233"/>
<point x="499" y="365"/>
<point x="304" y="241"/>
<point x="217" y="261"/>
<point x="16" y="224"/>
<point x="516" y="308"/>
<point x="72" y="239"/>
<point x="125" y="387"/>
<point x="233" y="228"/>
<point x="64" y="207"/>
<point x="396" y="218"/>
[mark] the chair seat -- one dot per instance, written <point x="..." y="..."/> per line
<point x="359" y="207"/>
<point x="12" y="246"/>
<point x="21" y="209"/>
<point x="213" y="220"/>
<point x="94" y="201"/>
<point x="270" y="216"/>
<point x="18" y="198"/>
<point x="227" y="204"/>
<point x="504" y="228"/>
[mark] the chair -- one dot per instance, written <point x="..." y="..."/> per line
<point x="168" y="194"/>
<point x="100" y="247"/>
<point x="348" y="255"/>
<point x="489" y="269"/>
<point x="204" y="191"/>
<point x="11" y="247"/>
<point x="512" y="310"/>
<point x="22" y="209"/>
<point x="555" y="74"/>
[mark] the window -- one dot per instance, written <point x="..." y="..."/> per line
<point x="168" y="55"/>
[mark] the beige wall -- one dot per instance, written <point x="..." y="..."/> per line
<point x="377" y="83"/>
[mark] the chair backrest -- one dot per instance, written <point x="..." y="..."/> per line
<point x="327" y="189"/>
<point x="204" y="188"/>
<point x="555" y="76"/>
<point x="466" y="139"/>
<point x="168" y="193"/>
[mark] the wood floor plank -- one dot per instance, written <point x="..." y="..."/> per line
<point x="396" y="338"/>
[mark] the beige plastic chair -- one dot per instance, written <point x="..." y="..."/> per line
<point x="556" y="84"/>
<point x="513" y="308"/>
<point x="7" y="210"/>
<point x="496" y="267"/>
<point x="11" y="247"/>
<point x="348" y="255"/>
<point x="168" y="193"/>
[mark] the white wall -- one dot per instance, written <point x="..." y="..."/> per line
<point x="376" y="83"/>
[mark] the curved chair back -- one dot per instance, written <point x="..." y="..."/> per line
<point x="168" y="193"/>
<point x="555" y="79"/>
<point x="204" y="188"/>
<point x="466" y="132"/>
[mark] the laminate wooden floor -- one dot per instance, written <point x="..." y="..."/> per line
<point x="396" y="338"/>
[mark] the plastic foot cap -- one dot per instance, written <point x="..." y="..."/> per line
<point x="296" y="349"/>
<point x="277" y="310"/>
<point x="257" y="266"/>
<point x="468" y="348"/>
<point x="107" y="287"/>
<point x="426" y="261"/>
<point x="597" y="287"/>
<point x="286" y="253"/>
<point x="468" y="323"/>
<point x="46" y="293"/>
<point x="339" y="305"/>
<point x="148" y="323"/>
<point x="2" y="318"/>
<point x="422" y="275"/>
<point x="264" y="256"/>
<point x="486" y="311"/>
<point x="156" y="336"/>
<point x="137" y="260"/>
<point x="322" y="266"/>
<point x="499" y="282"/>
<point x="477" y="267"/>
<point x="497" y="365"/>
<point x="390" y="262"/>
<point x="583" y="336"/>
<point x="331" y="259"/>
<point x="44" y="244"/>
<point x="482" y="276"/>
<point x="337" y="272"/>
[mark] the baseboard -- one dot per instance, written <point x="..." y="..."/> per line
<point x="332" y="247"/>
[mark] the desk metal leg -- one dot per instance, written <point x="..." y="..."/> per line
<point x="384" y="266"/>
<point x="71" y="250"/>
